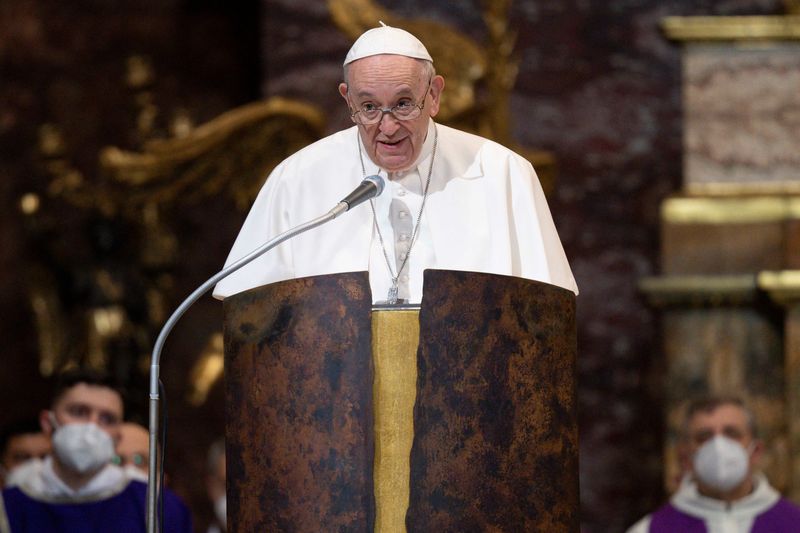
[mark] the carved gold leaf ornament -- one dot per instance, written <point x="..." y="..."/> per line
<point x="233" y="152"/>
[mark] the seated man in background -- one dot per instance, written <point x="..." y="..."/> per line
<point x="215" y="486"/>
<point x="76" y="488"/>
<point x="20" y="442"/>
<point x="721" y="490"/>
<point x="133" y="450"/>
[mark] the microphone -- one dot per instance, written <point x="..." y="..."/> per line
<point x="371" y="187"/>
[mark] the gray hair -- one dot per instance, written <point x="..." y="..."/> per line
<point x="709" y="404"/>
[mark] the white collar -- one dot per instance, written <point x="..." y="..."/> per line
<point x="39" y="480"/>
<point x="689" y="500"/>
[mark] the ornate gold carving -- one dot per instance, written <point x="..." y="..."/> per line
<point x="231" y="154"/>
<point x="233" y="151"/>
<point x="756" y="28"/>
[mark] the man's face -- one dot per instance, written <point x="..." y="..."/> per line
<point x="384" y="81"/>
<point x="23" y="447"/>
<point x="215" y="482"/>
<point x="87" y="403"/>
<point x="132" y="449"/>
<point x="728" y="420"/>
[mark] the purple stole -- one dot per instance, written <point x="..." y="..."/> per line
<point x="783" y="517"/>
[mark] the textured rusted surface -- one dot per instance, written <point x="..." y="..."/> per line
<point x="495" y="446"/>
<point x="298" y="406"/>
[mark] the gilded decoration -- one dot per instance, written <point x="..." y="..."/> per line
<point x="130" y="200"/>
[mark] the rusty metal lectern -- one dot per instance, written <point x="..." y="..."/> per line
<point x="491" y="421"/>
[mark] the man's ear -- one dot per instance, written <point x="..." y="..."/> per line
<point x="437" y="86"/>
<point x="758" y="451"/>
<point x="343" y="92"/>
<point x="45" y="422"/>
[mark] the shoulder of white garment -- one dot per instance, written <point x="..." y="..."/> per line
<point x="642" y="526"/>
<point x="470" y="156"/>
<point x="320" y="159"/>
<point x="303" y="186"/>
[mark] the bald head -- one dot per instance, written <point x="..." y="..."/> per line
<point x="133" y="446"/>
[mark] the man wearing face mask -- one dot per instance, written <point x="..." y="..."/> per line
<point x="215" y="486"/>
<point x="77" y="488"/>
<point x="721" y="491"/>
<point x="20" y="442"/>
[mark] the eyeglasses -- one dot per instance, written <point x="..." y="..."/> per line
<point x="405" y="109"/>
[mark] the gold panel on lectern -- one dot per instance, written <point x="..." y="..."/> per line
<point x="395" y="339"/>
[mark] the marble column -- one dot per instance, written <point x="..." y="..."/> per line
<point x="784" y="288"/>
<point x="733" y="230"/>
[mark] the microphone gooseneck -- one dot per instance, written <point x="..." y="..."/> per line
<point x="370" y="187"/>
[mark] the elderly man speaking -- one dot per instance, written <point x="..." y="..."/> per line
<point x="454" y="201"/>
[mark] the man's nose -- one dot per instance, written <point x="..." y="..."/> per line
<point x="388" y="124"/>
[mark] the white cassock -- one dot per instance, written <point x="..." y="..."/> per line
<point x="485" y="212"/>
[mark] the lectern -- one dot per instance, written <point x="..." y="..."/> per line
<point x="493" y="444"/>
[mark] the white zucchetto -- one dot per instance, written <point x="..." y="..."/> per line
<point x="387" y="40"/>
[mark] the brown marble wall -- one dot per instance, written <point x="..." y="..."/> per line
<point x="598" y="85"/>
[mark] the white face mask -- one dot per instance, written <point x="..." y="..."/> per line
<point x="82" y="447"/>
<point x="721" y="463"/>
<point x="221" y="511"/>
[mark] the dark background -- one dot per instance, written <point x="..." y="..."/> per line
<point x="599" y="87"/>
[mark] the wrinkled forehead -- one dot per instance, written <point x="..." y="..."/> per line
<point x="385" y="68"/>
